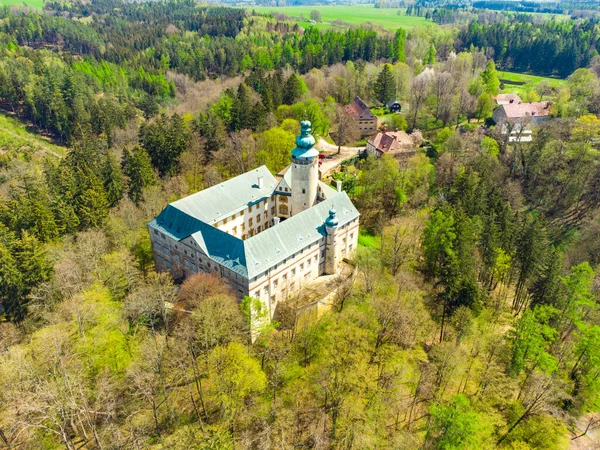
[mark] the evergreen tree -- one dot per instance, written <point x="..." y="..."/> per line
<point x="137" y="167"/>
<point x="293" y="90"/>
<point x="385" y="86"/>
<point x="112" y="179"/>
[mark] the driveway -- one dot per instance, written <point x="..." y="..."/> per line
<point x="328" y="165"/>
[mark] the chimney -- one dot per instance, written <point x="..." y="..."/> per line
<point x="276" y="220"/>
<point x="260" y="182"/>
<point x="338" y="185"/>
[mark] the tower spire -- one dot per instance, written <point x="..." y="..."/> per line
<point x="305" y="170"/>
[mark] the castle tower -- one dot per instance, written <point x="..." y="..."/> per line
<point x="331" y="259"/>
<point x="305" y="170"/>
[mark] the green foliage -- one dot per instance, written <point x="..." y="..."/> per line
<point x="385" y="86"/>
<point x="455" y="425"/>
<point x="137" y="167"/>
<point x="275" y="148"/>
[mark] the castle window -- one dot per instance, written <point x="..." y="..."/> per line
<point x="266" y="215"/>
<point x="284" y="277"/>
<point x="155" y="231"/>
<point x="283" y="199"/>
<point x="294" y="272"/>
<point x="257" y="218"/>
<point x="233" y="217"/>
<point x="250" y="221"/>
<point x="225" y="221"/>
<point x="243" y="227"/>
<point x="234" y="230"/>
<point x="250" y="208"/>
<point x="304" y="191"/>
<point x="272" y="210"/>
<point x="257" y="294"/>
<point x="162" y="236"/>
<point x="275" y="282"/>
<point x="283" y="210"/>
<point x="302" y="267"/>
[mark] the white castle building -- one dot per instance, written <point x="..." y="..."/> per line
<point x="268" y="235"/>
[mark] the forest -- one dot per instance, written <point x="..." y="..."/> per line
<point x="472" y="320"/>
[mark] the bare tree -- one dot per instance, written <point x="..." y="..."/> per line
<point x="346" y="128"/>
<point x="419" y="89"/>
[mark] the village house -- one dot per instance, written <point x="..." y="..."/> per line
<point x="396" y="143"/>
<point x="268" y="236"/>
<point x="516" y="119"/>
<point x="393" y="106"/>
<point x="367" y="121"/>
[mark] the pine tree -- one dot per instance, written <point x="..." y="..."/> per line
<point x="293" y="90"/>
<point x="137" y="167"/>
<point x="112" y="179"/>
<point x="385" y="86"/>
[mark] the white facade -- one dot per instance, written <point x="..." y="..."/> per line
<point x="278" y="236"/>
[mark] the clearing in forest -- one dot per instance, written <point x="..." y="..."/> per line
<point x="387" y="18"/>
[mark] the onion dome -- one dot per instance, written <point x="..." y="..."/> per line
<point x="332" y="220"/>
<point x="305" y="142"/>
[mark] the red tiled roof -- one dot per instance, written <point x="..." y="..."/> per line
<point x="519" y="110"/>
<point x="391" y="142"/>
<point x="505" y="99"/>
<point x="359" y="110"/>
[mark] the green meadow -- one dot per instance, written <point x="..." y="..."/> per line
<point x="30" y="3"/>
<point x="354" y="15"/>
<point x="528" y="82"/>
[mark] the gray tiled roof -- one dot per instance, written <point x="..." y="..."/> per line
<point x="229" y="197"/>
<point x="253" y="256"/>
<point x="281" y="241"/>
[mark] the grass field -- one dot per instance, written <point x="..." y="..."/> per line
<point x="528" y="80"/>
<point x="31" y="3"/>
<point x="366" y="239"/>
<point x="354" y="15"/>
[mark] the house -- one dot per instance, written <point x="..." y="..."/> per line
<point x="516" y="119"/>
<point x="396" y="143"/>
<point x="267" y="235"/>
<point x="367" y="121"/>
<point x="507" y="99"/>
<point x="393" y="106"/>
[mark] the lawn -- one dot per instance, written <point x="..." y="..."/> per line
<point x="527" y="80"/>
<point x="354" y="15"/>
<point x="366" y="239"/>
<point x="31" y="3"/>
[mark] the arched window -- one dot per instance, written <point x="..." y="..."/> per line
<point x="283" y="210"/>
<point x="283" y="199"/>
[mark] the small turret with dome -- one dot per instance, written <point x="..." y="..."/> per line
<point x="332" y="221"/>
<point x="305" y="143"/>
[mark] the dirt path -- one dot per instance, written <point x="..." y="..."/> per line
<point x="328" y="165"/>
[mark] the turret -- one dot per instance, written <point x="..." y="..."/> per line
<point x="305" y="170"/>
<point x="331" y="259"/>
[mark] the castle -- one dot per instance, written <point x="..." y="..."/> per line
<point x="268" y="235"/>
